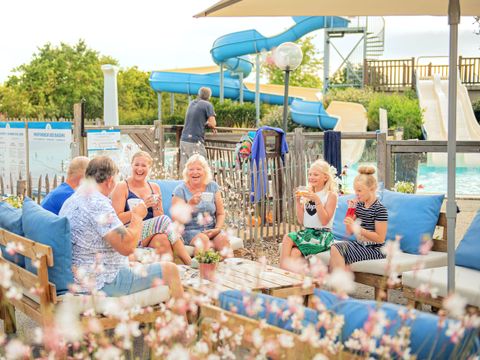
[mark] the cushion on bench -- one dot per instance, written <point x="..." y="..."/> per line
<point x="427" y="336"/>
<point x="261" y="306"/>
<point x="467" y="281"/>
<point x="468" y="251"/>
<point x="338" y="227"/>
<point x="11" y="220"/>
<point x="42" y="226"/>
<point x="411" y="216"/>
<point x="402" y="262"/>
<point x="166" y="188"/>
<point x="235" y="242"/>
<point x="111" y="305"/>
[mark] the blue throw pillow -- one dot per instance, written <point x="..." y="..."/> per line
<point x="411" y="216"/>
<point x="42" y="226"/>
<point x="338" y="225"/>
<point x="468" y="251"/>
<point x="11" y="220"/>
<point x="166" y="188"/>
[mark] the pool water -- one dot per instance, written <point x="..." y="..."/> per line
<point x="433" y="179"/>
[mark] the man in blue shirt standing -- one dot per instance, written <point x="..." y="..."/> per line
<point x="200" y="114"/>
<point x="76" y="172"/>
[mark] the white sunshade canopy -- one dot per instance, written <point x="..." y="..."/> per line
<point x="337" y="8"/>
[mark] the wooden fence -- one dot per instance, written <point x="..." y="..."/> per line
<point x="399" y="75"/>
<point x="271" y="182"/>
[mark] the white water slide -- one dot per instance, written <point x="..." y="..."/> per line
<point x="433" y="98"/>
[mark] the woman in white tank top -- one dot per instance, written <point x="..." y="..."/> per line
<point x="315" y="210"/>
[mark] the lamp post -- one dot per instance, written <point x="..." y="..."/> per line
<point x="288" y="56"/>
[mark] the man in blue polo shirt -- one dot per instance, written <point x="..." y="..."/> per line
<point x="76" y="172"/>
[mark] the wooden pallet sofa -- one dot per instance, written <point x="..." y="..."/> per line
<point x="167" y="187"/>
<point x="467" y="274"/>
<point x="41" y="270"/>
<point x="414" y="218"/>
<point x="427" y="332"/>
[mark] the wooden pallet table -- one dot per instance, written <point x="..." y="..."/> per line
<point x="247" y="275"/>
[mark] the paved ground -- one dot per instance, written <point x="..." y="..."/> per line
<point x="468" y="209"/>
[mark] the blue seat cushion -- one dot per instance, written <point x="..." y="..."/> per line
<point x="235" y="300"/>
<point x="411" y="216"/>
<point x="468" y="251"/>
<point x="166" y="188"/>
<point x="428" y="333"/>
<point x="338" y="228"/>
<point x="11" y="220"/>
<point x="42" y="226"/>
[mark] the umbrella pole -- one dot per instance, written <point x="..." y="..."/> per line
<point x="453" y="20"/>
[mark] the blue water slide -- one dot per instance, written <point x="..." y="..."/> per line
<point x="190" y="84"/>
<point x="252" y="42"/>
<point x="231" y="50"/>
<point x="311" y="114"/>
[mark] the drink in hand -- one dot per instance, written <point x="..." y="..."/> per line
<point x="351" y="210"/>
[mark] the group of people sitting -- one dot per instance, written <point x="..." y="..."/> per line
<point x="105" y="231"/>
<point x="315" y="210"/>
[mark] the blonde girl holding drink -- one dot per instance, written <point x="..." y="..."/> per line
<point x="371" y="232"/>
<point x="315" y="213"/>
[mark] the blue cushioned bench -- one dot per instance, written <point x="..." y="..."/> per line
<point x="467" y="274"/>
<point x="412" y="217"/>
<point x="428" y="332"/>
<point x="43" y="262"/>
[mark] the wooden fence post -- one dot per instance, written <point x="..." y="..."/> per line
<point x="21" y="188"/>
<point x="78" y="148"/>
<point x="299" y="145"/>
<point x="413" y="73"/>
<point x="158" y="145"/>
<point x="383" y="171"/>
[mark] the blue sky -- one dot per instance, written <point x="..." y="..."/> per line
<point x="160" y="34"/>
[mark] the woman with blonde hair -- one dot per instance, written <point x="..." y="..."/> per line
<point x="157" y="231"/>
<point x="202" y="194"/>
<point x="371" y="232"/>
<point x="315" y="213"/>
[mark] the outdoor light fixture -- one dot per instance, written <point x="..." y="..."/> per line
<point x="288" y="56"/>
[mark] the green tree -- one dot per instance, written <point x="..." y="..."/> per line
<point x="137" y="102"/>
<point x="306" y="74"/>
<point x="55" y="79"/>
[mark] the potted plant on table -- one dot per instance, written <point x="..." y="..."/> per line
<point x="207" y="263"/>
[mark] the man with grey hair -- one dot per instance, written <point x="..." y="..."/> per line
<point x="200" y="114"/>
<point x="76" y="172"/>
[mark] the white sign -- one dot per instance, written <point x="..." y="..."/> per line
<point x="12" y="153"/>
<point x="49" y="148"/>
<point x="104" y="142"/>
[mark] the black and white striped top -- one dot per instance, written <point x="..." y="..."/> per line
<point x="376" y="212"/>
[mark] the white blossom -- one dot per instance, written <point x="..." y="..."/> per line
<point x="455" y="305"/>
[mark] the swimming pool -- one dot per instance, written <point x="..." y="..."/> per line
<point x="433" y="179"/>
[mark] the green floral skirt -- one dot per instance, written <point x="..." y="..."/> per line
<point x="312" y="241"/>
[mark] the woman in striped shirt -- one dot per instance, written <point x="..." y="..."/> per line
<point x="371" y="232"/>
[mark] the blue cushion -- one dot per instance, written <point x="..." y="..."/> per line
<point x="427" y="337"/>
<point x="411" y="216"/>
<point x="42" y="226"/>
<point x="338" y="228"/>
<point x="468" y="251"/>
<point x="234" y="300"/>
<point x="11" y="220"/>
<point x="166" y="188"/>
<point x="327" y="298"/>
